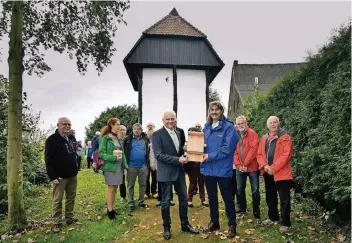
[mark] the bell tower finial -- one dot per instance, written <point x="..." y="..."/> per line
<point x="174" y="12"/>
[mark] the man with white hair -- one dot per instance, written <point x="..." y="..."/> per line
<point x="274" y="157"/>
<point x="168" y="152"/>
<point x="61" y="166"/>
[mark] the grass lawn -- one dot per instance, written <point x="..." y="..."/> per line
<point x="145" y="225"/>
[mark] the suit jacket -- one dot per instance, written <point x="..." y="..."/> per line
<point x="166" y="155"/>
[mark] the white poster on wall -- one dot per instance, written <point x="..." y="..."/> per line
<point x="191" y="98"/>
<point x="157" y="95"/>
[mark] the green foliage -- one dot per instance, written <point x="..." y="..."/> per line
<point x="314" y="104"/>
<point x="128" y="115"/>
<point x="82" y="29"/>
<point x="32" y="147"/>
<point x="213" y="94"/>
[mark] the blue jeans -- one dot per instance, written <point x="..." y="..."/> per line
<point x="225" y="185"/>
<point x="181" y="189"/>
<point x="241" y="190"/>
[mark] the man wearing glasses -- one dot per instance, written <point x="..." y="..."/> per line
<point x="61" y="167"/>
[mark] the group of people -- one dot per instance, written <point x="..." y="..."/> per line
<point x="232" y="153"/>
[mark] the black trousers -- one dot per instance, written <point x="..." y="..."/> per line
<point x="89" y="161"/>
<point x="181" y="189"/>
<point x="272" y="188"/>
<point x="160" y="194"/>
<point x="151" y="189"/>
<point x="123" y="188"/>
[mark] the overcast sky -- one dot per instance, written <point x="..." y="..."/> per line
<point x="250" y="32"/>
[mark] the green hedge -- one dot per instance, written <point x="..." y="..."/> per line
<point x="314" y="106"/>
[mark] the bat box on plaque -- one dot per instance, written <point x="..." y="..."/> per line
<point x="195" y="146"/>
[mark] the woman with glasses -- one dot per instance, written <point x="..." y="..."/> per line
<point x="115" y="165"/>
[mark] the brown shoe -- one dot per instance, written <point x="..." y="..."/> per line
<point x="56" y="228"/>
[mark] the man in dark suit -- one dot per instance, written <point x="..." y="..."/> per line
<point x="170" y="160"/>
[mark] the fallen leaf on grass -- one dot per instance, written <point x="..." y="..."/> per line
<point x="102" y="238"/>
<point x="248" y="231"/>
<point x="62" y="238"/>
<point x="204" y="236"/>
<point x="160" y="239"/>
<point x="123" y="222"/>
<point x="249" y="220"/>
<point x="78" y="223"/>
<point x="193" y="220"/>
<point x="155" y="224"/>
<point x="126" y="232"/>
<point x="99" y="217"/>
<point x="223" y="237"/>
<point x="71" y="229"/>
<point x="311" y="228"/>
<point x="340" y="237"/>
<point x="15" y="241"/>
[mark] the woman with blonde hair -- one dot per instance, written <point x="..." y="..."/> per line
<point x="115" y="165"/>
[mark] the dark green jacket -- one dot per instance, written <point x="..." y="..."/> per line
<point x="106" y="148"/>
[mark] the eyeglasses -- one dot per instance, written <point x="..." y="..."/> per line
<point x="66" y="124"/>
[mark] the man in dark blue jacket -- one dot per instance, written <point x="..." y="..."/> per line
<point x="221" y="139"/>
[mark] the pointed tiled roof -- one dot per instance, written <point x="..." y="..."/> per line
<point x="174" y="24"/>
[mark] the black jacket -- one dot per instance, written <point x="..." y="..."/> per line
<point x="127" y="146"/>
<point x="60" y="157"/>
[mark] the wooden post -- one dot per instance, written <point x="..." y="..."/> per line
<point x="174" y="80"/>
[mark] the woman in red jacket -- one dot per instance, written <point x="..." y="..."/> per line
<point x="245" y="160"/>
<point x="274" y="157"/>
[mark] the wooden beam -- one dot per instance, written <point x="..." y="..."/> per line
<point x="140" y="94"/>
<point x="174" y="79"/>
<point x="207" y="84"/>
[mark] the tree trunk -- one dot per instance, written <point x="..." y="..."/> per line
<point x="16" y="212"/>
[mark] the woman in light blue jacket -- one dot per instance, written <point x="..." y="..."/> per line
<point x="221" y="138"/>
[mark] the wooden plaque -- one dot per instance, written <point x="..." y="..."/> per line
<point x="195" y="146"/>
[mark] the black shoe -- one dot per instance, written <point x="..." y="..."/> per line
<point x="149" y="196"/>
<point x="212" y="227"/>
<point x="158" y="204"/>
<point x="188" y="228"/>
<point x="257" y="215"/>
<point x="240" y="211"/>
<point x="204" y="204"/>
<point x="167" y="233"/>
<point x="71" y="221"/>
<point x="111" y="214"/>
<point x="232" y="232"/>
<point x="132" y="208"/>
<point x="190" y="204"/>
<point x="172" y="203"/>
<point x="142" y="205"/>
